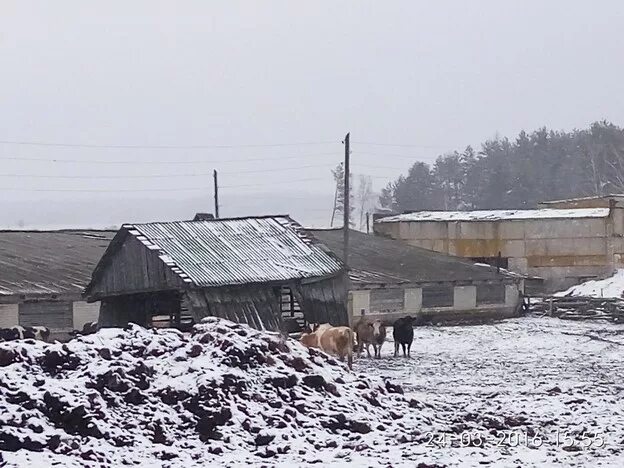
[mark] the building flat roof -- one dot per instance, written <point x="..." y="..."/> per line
<point x="376" y="260"/>
<point x="49" y="262"/>
<point x="497" y="215"/>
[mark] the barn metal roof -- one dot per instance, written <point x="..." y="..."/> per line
<point x="497" y="215"/>
<point x="374" y="260"/>
<point x="237" y="251"/>
<point x="49" y="262"/>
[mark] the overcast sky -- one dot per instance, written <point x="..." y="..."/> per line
<point x="434" y="76"/>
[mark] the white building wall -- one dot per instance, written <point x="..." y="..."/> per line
<point x="85" y="312"/>
<point x="360" y="300"/>
<point x="413" y="300"/>
<point x="9" y="315"/>
<point x="511" y="295"/>
<point x="465" y="297"/>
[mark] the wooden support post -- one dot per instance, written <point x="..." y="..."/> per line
<point x="346" y="208"/>
<point x="216" y="194"/>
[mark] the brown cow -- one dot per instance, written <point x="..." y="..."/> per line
<point x="370" y="333"/>
<point x="364" y="331"/>
<point x="332" y="340"/>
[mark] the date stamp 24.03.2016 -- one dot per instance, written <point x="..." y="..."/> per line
<point x="557" y="438"/>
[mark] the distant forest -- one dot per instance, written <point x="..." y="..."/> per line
<point x="518" y="173"/>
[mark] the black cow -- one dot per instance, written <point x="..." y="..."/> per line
<point x="403" y="333"/>
<point x="22" y="333"/>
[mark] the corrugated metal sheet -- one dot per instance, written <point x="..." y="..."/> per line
<point x="375" y="259"/>
<point x="49" y="262"/>
<point x="236" y="251"/>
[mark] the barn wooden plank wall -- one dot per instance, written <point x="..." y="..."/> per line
<point x="133" y="268"/>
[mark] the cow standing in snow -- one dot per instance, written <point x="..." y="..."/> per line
<point x="379" y="336"/>
<point x="332" y="340"/>
<point x="370" y="333"/>
<point x="403" y="334"/>
<point x="23" y="333"/>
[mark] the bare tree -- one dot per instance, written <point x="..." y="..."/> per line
<point x="365" y="198"/>
<point x="339" y="204"/>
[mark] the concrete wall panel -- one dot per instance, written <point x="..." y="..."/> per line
<point x="360" y="300"/>
<point x="464" y="297"/>
<point x="519" y="265"/>
<point x="478" y="230"/>
<point x="512" y="295"/>
<point x="84" y="313"/>
<point x="565" y="228"/>
<point x="9" y="315"/>
<point x="512" y="248"/>
<point x="510" y="230"/>
<point x="413" y="300"/>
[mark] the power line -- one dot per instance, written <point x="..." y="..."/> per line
<point x="186" y="189"/>
<point x="405" y="145"/>
<point x="272" y="183"/>
<point x="381" y="167"/>
<point x="152" y="162"/>
<point x="391" y="155"/>
<point x="189" y="147"/>
<point x="159" y="176"/>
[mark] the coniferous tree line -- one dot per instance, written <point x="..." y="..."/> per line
<point x="518" y="173"/>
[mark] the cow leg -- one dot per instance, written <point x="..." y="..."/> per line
<point x="396" y="349"/>
<point x="368" y="349"/>
<point x="404" y="346"/>
<point x="409" y="349"/>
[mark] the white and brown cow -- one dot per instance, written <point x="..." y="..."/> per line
<point x="370" y="333"/>
<point x="332" y="340"/>
<point x="23" y="333"/>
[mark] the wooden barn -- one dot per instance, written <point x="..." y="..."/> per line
<point x="265" y="271"/>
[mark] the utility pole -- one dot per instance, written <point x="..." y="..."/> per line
<point x="345" y="226"/>
<point x="216" y="194"/>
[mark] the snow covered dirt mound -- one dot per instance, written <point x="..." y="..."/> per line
<point x="226" y="393"/>
<point x="612" y="287"/>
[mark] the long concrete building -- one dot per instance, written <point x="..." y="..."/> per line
<point x="389" y="279"/>
<point x="564" y="242"/>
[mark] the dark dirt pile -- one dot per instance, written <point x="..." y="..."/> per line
<point x="224" y="393"/>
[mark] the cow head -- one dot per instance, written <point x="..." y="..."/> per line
<point x="310" y="340"/>
<point x="377" y="328"/>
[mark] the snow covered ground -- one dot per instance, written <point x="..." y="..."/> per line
<point x="523" y="392"/>
<point x="556" y="378"/>
<point x="609" y="287"/>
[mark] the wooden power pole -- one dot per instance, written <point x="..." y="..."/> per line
<point x="346" y="208"/>
<point x="216" y="194"/>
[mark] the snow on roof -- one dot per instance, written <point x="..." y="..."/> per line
<point x="234" y="251"/>
<point x="593" y="197"/>
<point x="497" y="215"/>
<point x="612" y="287"/>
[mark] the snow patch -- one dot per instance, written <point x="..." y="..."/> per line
<point x="612" y="287"/>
